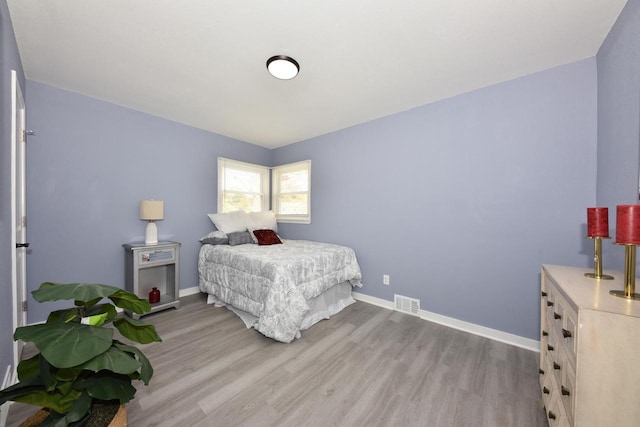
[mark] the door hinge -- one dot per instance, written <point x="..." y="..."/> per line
<point x="26" y="133"/>
<point x="24" y="305"/>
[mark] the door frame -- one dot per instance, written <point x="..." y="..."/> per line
<point x="18" y="211"/>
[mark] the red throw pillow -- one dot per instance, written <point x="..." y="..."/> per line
<point x="267" y="237"/>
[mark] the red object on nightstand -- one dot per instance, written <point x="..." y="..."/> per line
<point x="154" y="296"/>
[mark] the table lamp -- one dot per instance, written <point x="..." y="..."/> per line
<point x="151" y="210"/>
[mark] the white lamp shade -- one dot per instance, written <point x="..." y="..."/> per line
<point x="151" y="210"/>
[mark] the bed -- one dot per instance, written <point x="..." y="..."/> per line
<point x="279" y="289"/>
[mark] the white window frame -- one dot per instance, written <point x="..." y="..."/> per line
<point x="224" y="163"/>
<point x="275" y="191"/>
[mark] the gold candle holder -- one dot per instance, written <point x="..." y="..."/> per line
<point x="597" y="260"/>
<point x="629" y="291"/>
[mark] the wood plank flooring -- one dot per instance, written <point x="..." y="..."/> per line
<point x="367" y="366"/>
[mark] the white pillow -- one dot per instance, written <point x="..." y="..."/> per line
<point x="230" y="222"/>
<point x="265" y="220"/>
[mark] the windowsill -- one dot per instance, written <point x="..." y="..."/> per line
<point x="294" y="221"/>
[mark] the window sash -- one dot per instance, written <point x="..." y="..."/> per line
<point x="277" y="194"/>
<point x="224" y="165"/>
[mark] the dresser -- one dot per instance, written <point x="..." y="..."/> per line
<point x="589" y="350"/>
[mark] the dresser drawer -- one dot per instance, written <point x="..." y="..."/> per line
<point x="555" y="412"/>
<point x="561" y="321"/>
<point x="548" y="384"/>
<point x="567" y="391"/>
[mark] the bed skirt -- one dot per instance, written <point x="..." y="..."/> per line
<point x="325" y="305"/>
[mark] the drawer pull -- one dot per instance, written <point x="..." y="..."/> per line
<point x="566" y="333"/>
<point x="545" y="390"/>
<point x="556" y="366"/>
<point x="552" y="416"/>
<point x="549" y="347"/>
<point x="544" y="294"/>
<point x="545" y="333"/>
<point x="557" y="316"/>
<point x="565" y="391"/>
<point x="549" y="303"/>
<point x="541" y="371"/>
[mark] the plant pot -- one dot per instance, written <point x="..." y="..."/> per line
<point x="118" y="420"/>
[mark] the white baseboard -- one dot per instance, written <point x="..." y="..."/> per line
<point x="8" y="378"/>
<point x="189" y="291"/>
<point x="461" y="325"/>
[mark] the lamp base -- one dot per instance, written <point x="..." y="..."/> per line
<point x="603" y="276"/>
<point x="151" y="235"/>
<point x="622" y="294"/>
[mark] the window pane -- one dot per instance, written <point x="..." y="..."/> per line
<point x="294" y="181"/>
<point x="242" y="186"/>
<point x="239" y="201"/>
<point x="242" y="180"/>
<point x="293" y="204"/>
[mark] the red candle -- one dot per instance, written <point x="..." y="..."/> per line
<point x="598" y="222"/>
<point x="628" y="225"/>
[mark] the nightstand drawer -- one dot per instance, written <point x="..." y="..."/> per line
<point x="158" y="256"/>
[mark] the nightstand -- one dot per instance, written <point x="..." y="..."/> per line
<point x="153" y="266"/>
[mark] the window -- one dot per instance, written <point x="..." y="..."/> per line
<point x="245" y="186"/>
<point x="291" y="192"/>
<point x="242" y="186"/>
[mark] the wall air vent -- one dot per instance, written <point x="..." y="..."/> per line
<point x="406" y="304"/>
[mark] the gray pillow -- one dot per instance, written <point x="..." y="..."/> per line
<point x="215" y="238"/>
<point x="239" y="238"/>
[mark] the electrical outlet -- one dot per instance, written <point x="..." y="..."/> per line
<point x="385" y="279"/>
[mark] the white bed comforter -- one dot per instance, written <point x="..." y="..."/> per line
<point x="275" y="282"/>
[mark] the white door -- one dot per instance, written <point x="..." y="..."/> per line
<point x="18" y="210"/>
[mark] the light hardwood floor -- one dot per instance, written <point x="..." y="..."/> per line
<point x="367" y="366"/>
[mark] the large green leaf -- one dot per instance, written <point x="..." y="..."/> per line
<point x="137" y="330"/>
<point x="111" y="311"/>
<point x="129" y="301"/>
<point x="48" y="380"/>
<point x="27" y="386"/>
<point x="63" y="316"/>
<point x="67" y="374"/>
<point x="79" y="409"/>
<point x="110" y="387"/>
<point x="29" y="367"/>
<point x="146" y="370"/>
<point x="58" y="402"/>
<point x="85" y="292"/>
<point x="113" y="360"/>
<point x="66" y="345"/>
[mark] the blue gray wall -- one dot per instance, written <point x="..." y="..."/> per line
<point x="619" y="120"/>
<point x="459" y="201"/>
<point x="90" y="165"/>
<point x="462" y="200"/>
<point x="9" y="60"/>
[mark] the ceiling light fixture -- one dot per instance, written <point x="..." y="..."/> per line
<point x="283" y="67"/>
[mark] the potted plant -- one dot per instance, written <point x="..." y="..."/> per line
<point x="80" y="364"/>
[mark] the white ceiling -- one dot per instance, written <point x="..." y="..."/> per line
<point x="203" y="62"/>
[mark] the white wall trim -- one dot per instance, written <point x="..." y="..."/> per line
<point x="8" y="378"/>
<point x="450" y="322"/>
<point x="189" y="291"/>
<point x="461" y="325"/>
